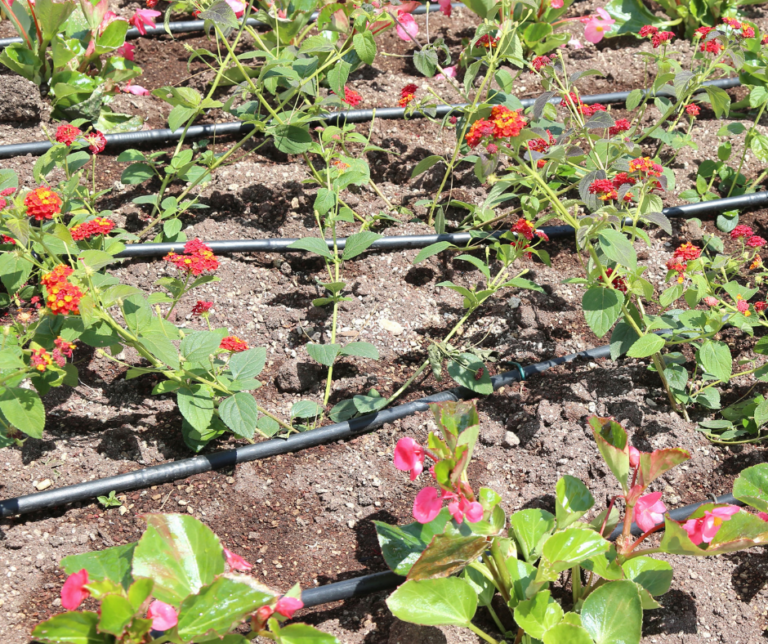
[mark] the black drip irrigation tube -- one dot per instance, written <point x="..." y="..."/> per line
<point x="404" y="242"/>
<point x="380" y="581"/>
<point x="159" y="474"/>
<point x="188" y="26"/>
<point x="141" y="137"/>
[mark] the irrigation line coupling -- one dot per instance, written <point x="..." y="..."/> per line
<point x="238" y="128"/>
<point x="167" y="472"/>
<point x="405" y="242"/>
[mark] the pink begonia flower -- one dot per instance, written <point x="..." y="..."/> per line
<point x="163" y="616"/>
<point x="137" y="90"/>
<point x="287" y="606"/>
<point x="236" y="562"/>
<point x="409" y="457"/>
<point x="144" y="18"/>
<point x="237" y="6"/>
<point x="427" y="505"/>
<point x="649" y="511"/>
<point x="598" y="26"/>
<point x="72" y="592"/>
<point x="711" y="301"/>
<point x="463" y="508"/>
<point x="406" y="26"/>
<point x="450" y="72"/>
<point x="763" y="516"/>
<point x="705" y="528"/>
<point x="445" y="6"/>
<point x="556" y="4"/>
<point x="634" y="456"/>
<point x="575" y="43"/>
<point x="126" y="50"/>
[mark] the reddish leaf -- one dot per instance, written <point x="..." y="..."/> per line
<point x="612" y="442"/>
<point x="446" y="555"/>
<point x="653" y="465"/>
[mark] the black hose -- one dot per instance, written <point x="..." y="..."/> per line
<point x="141" y="137"/>
<point x="186" y="26"/>
<point x="369" y="584"/>
<point x="404" y="242"/>
<point x="167" y="472"/>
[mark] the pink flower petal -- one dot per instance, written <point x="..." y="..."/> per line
<point x="634" y="456"/>
<point x="407" y="27"/>
<point x="445" y="6"/>
<point x="236" y="562"/>
<point x="138" y="90"/>
<point x="72" y="592"/>
<point x="287" y="606"/>
<point x="450" y="72"/>
<point x="236" y="6"/>
<point x="556" y="4"/>
<point x="163" y="616"/>
<point x="649" y="511"/>
<point x="427" y="505"/>
<point x="474" y="512"/>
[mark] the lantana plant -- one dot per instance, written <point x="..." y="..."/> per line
<point x="580" y="574"/>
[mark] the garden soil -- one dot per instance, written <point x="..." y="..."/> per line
<point x="308" y="517"/>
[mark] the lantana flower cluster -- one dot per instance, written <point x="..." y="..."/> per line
<point x="608" y="189"/>
<point x="407" y="94"/>
<point x="42" y="203"/>
<point x="657" y="37"/>
<point x="504" y="123"/>
<point x="197" y="258"/>
<point x="93" y="228"/>
<point x="63" y="296"/>
<point x="683" y="254"/>
<point x="572" y="99"/>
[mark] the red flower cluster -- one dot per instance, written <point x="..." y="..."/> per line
<point x="67" y="134"/>
<point x="407" y="94"/>
<point x="761" y="306"/>
<point x="62" y="351"/>
<point x="692" y="110"/>
<point x="713" y="46"/>
<point x="504" y="123"/>
<point x="540" y="61"/>
<point x="42" y="203"/>
<point x="541" y="145"/>
<point x="92" y="228"/>
<point x="702" y="32"/>
<point x="622" y="125"/>
<point x="487" y="42"/>
<point x="742" y="306"/>
<point x="604" y="190"/>
<point x="644" y="166"/>
<point x="233" y="343"/>
<point x="687" y="252"/>
<point x="351" y="97"/>
<point x="747" y="31"/>
<point x="764" y="40"/>
<point x="657" y="37"/>
<point x="756" y="242"/>
<point x="96" y="142"/>
<point x="8" y="240"/>
<point x="63" y="297"/>
<point x="583" y="109"/>
<point x="197" y="258"/>
<point x="525" y="228"/>
<point x="58" y="274"/>
<point x="617" y="282"/>
<point x="201" y="307"/>
<point x="40" y="359"/>
<point x="741" y="231"/>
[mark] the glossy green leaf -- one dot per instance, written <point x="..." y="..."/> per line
<point x="434" y="602"/>
<point x="116" y="614"/>
<point x="751" y="486"/>
<point x="220" y="606"/>
<point x="565" y="633"/>
<point x="480" y="578"/>
<point x="303" y="633"/>
<point x="113" y="563"/>
<point x="403" y="545"/>
<point x="565" y="549"/>
<point x="612" y="442"/>
<point x="523" y="576"/>
<point x="646" y="346"/>
<point x="612" y="614"/>
<point x="137" y="173"/>
<point x="71" y="628"/>
<point x="180" y="554"/>
<point x="446" y="555"/>
<point x="652" y="574"/>
<point x="573" y="501"/>
<point x="536" y="616"/>
<point x="530" y="528"/>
